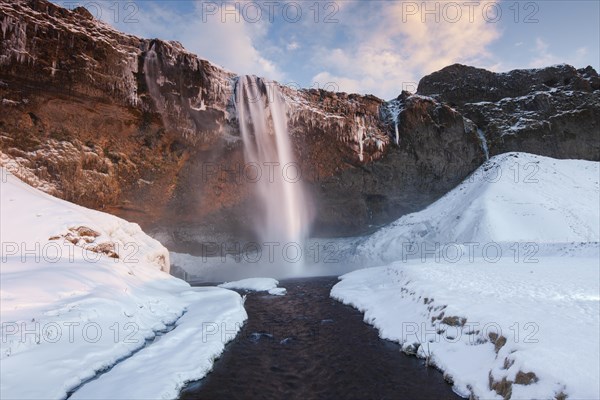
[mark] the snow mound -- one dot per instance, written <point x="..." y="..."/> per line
<point x="278" y="291"/>
<point x="514" y="197"/>
<point x="252" y="284"/>
<point x="82" y="290"/>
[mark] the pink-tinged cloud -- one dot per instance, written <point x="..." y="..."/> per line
<point x="403" y="47"/>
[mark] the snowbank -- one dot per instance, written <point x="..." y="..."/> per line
<point x="514" y="197"/>
<point x="82" y="290"/>
<point x="253" y="284"/>
<point x="184" y="354"/>
<point x="545" y="313"/>
<point x="278" y="291"/>
<point x="497" y="283"/>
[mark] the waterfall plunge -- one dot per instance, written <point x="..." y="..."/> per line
<point x="284" y="213"/>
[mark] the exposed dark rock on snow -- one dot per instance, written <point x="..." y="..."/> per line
<point x="147" y="130"/>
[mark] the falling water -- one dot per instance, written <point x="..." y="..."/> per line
<point x="152" y="74"/>
<point x="284" y="214"/>
<point x="484" y="144"/>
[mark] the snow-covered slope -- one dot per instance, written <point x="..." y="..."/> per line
<point x="81" y="290"/>
<point x="514" y="197"/>
<point x="545" y="316"/>
<point x="508" y="303"/>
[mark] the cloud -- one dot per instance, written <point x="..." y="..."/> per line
<point x="293" y="45"/>
<point x="222" y="36"/>
<point x="544" y="57"/>
<point x="395" y="49"/>
<point x="374" y="47"/>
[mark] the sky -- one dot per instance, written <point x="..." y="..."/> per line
<point x="368" y="47"/>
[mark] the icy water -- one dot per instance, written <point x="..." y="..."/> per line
<point x="305" y="345"/>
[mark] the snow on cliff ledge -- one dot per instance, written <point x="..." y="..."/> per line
<point x="82" y="290"/>
<point x="520" y="321"/>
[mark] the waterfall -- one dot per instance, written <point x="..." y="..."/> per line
<point x="152" y="74"/>
<point x="484" y="144"/>
<point x="284" y="214"/>
<point x="391" y="112"/>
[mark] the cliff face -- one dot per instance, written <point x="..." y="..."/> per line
<point x="149" y="131"/>
<point x="553" y="111"/>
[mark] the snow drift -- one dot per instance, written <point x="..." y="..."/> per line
<point x="520" y="322"/>
<point x="82" y="290"/>
<point x="512" y="198"/>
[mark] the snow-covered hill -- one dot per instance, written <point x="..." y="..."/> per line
<point x="514" y="197"/>
<point x="497" y="283"/>
<point x="82" y="290"/>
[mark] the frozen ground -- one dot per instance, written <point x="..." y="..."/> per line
<point x="81" y="291"/>
<point x="497" y="283"/>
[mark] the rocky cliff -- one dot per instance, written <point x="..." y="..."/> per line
<point x="149" y="131"/>
<point x="553" y="111"/>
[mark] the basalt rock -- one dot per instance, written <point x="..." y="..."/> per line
<point x="436" y="149"/>
<point x="553" y="111"/>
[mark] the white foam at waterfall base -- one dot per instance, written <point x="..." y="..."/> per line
<point x="283" y="212"/>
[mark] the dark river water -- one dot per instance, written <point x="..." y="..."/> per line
<point x="305" y="345"/>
